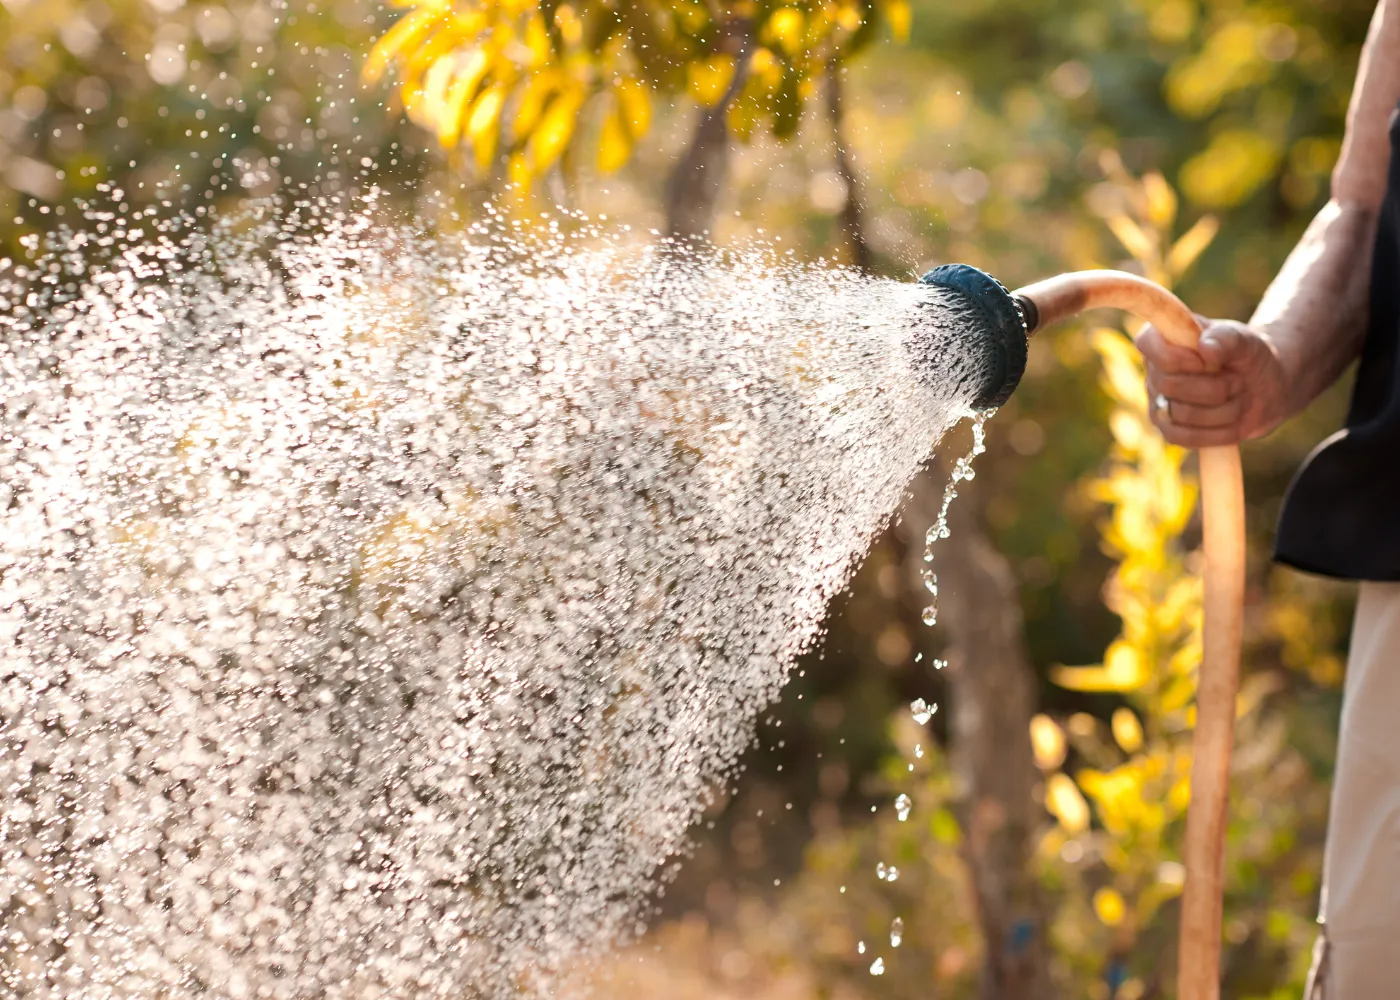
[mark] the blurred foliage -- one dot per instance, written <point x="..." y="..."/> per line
<point x="184" y="105"/>
<point x="512" y="78"/>
<point x="1006" y="133"/>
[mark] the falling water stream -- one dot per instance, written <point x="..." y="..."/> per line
<point x="379" y="609"/>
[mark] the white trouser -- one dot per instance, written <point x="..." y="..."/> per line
<point x="1358" y="957"/>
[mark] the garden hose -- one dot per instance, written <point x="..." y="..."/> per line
<point x="1008" y="319"/>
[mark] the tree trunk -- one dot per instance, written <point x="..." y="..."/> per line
<point x="992" y="687"/>
<point x="853" y="211"/>
<point x="694" y="187"/>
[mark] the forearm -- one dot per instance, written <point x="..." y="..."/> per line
<point x="1315" y="311"/>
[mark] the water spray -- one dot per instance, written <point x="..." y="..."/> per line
<point x="1004" y="322"/>
<point x="357" y="646"/>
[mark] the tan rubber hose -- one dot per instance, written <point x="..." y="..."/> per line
<point x="1222" y="509"/>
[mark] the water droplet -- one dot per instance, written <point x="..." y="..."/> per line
<point x="930" y="581"/>
<point x="860" y="947"/>
<point x="896" y="933"/>
<point x="902" y="805"/>
<point x="877" y="967"/>
<point x="922" y="710"/>
<point x="930" y="615"/>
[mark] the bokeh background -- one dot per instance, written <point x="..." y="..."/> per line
<point x="1190" y="140"/>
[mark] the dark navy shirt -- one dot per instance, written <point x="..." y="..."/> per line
<point x="1341" y="516"/>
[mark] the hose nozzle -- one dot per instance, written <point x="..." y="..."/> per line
<point x="994" y="322"/>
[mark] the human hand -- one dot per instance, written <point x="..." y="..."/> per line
<point x="1231" y="388"/>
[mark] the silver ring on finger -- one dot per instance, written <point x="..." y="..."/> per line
<point x="1163" y="406"/>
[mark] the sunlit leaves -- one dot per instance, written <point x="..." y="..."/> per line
<point x="614" y="143"/>
<point x="1063" y="799"/>
<point x="1230" y="60"/>
<point x="482" y="123"/>
<point x="785" y="31"/>
<point x="1235" y="165"/>
<point x="708" y="79"/>
<point x="511" y="79"/>
<point x="1191" y="244"/>
<point x="1047" y="742"/>
<point x="633" y="105"/>
<point x="1123" y="669"/>
<point x="1127" y="730"/>
<point x="1161" y="200"/>
<point x="515" y="79"/>
<point x="551" y="136"/>
<point x="900" y="18"/>
<point x="626" y="120"/>
<point x="1142" y="216"/>
<point x="1109" y="906"/>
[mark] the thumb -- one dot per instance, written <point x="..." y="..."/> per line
<point x="1219" y="345"/>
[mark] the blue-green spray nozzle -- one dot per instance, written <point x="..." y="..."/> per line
<point x="997" y="323"/>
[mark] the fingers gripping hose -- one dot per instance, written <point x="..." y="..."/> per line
<point x="1010" y="318"/>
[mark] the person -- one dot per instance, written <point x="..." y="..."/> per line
<point x="1336" y="298"/>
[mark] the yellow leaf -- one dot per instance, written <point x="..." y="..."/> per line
<point x="1063" y="799"/>
<point x="537" y="41"/>
<point x="474" y="68"/>
<point x="1127" y="730"/>
<point x="570" y="25"/>
<point x="1127" y="428"/>
<point x="1191" y="244"/>
<point x="1161" y="200"/>
<point x="1134" y="240"/>
<point x="533" y="97"/>
<point x="481" y="126"/>
<point x="405" y="33"/>
<point x="765" y="67"/>
<point x="417" y="61"/>
<point x="786" y="28"/>
<point x="1123" y="670"/>
<point x="1185" y="661"/>
<point x="1109" y="906"/>
<point x="1172" y="20"/>
<point x="614" y="144"/>
<point x="898" y="14"/>
<point x="1047" y="742"/>
<point x="709" y="79"/>
<point x="448" y="111"/>
<point x="556" y="127"/>
<point x="1179" y="797"/>
<point x="1235" y="164"/>
<point x="518" y="171"/>
<point x="433" y="95"/>
<point x="1118" y="795"/>
<point x="1229" y="61"/>
<point x="449" y="122"/>
<point x="634" y="104"/>
<point x="849" y="17"/>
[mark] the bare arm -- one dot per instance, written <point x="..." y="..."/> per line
<point x="1246" y="379"/>
<point x="1315" y="310"/>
